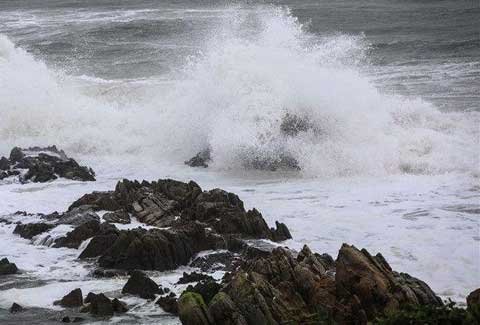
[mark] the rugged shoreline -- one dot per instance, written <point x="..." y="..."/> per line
<point x="262" y="282"/>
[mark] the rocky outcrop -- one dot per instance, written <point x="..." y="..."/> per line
<point x="71" y="300"/>
<point x="7" y="268"/>
<point x="169" y="203"/>
<point x="141" y="285"/>
<point x="38" y="164"/>
<point x="31" y="230"/>
<point x="282" y="289"/>
<point x="366" y="286"/>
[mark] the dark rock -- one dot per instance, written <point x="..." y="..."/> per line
<point x="223" y="260"/>
<point x="192" y="309"/>
<point x="7" y="268"/>
<point x="31" y="230"/>
<point x="225" y="213"/>
<point x="206" y="288"/>
<point x="140" y="285"/>
<point x="16" y="308"/>
<point x="154" y="249"/>
<point x="99" y="245"/>
<point x="366" y="286"/>
<point x="224" y="311"/>
<point x="74" y="238"/>
<point x="4" y="164"/>
<point x="201" y="159"/>
<point x="43" y="165"/>
<point x="100" y="305"/>
<point x="169" y="203"/>
<point x="102" y="273"/>
<point x="193" y="277"/>
<point x="89" y="298"/>
<point x="119" y="306"/>
<point x="73" y="299"/>
<point x="281" y="233"/>
<point x="77" y="216"/>
<point x="89" y="227"/>
<point x="168" y="303"/>
<point x="16" y="155"/>
<point x="119" y="216"/>
<point x="98" y="201"/>
<point x="473" y="305"/>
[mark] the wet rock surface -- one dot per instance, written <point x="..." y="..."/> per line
<point x="139" y="284"/>
<point x="73" y="299"/>
<point x="169" y="303"/>
<point x="31" y="230"/>
<point x="42" y="164"/>
<point x="6" y="267"/>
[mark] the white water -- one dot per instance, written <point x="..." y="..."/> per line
<point x="232" y="97"/>
<point x="353" y="186"/>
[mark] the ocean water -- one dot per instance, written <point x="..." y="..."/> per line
<point x="134" y="88"/>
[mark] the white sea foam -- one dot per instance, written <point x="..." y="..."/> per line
<point x="232" y="97"/>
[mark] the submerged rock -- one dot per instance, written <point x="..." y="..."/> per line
<point x="201" y="159"/>
<point x="141" y="285"/>
<point x="73" y="299"/>
<point x="38" y="164"/>
<point x="7" y="268"/>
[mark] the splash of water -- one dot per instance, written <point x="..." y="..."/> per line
<point x="233" y="98"/>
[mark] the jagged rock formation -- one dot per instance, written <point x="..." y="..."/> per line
<point x="38" y="164"/>
<point x="199" y="220"/>
<point x="283" y="289"/>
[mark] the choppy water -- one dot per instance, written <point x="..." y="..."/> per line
<point x="136" y="87"/>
